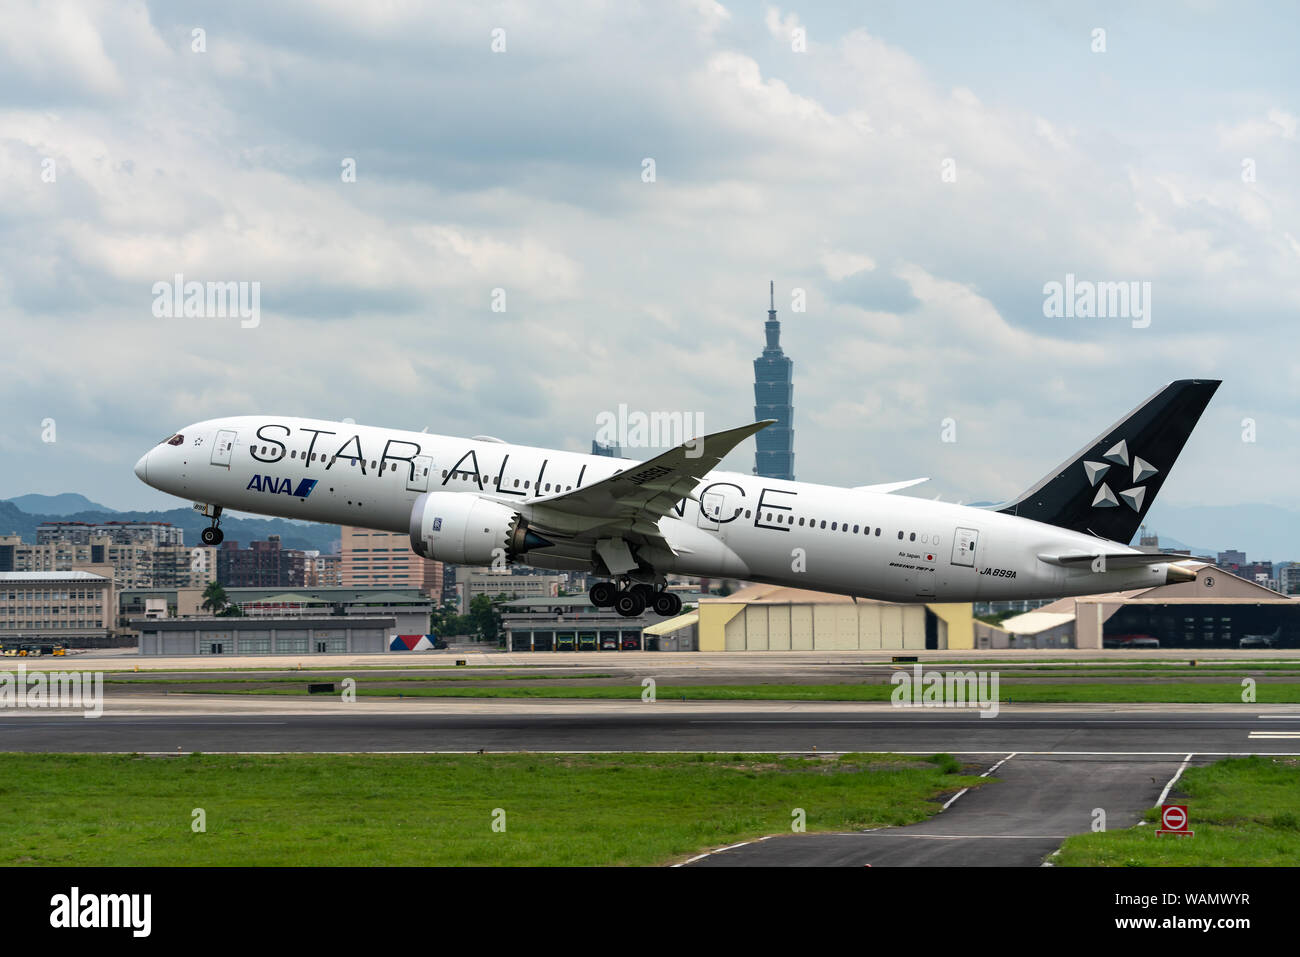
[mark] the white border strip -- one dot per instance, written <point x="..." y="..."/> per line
<point x="1177" y="774"/>
<point x="804" y="753"/>
<point x="950" y="800"/>
<point x="730" y="847"/>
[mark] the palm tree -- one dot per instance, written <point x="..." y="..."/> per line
<point x="214" y="598"/>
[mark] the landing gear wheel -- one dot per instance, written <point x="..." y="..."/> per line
<point x="212" y="534"/>
<point x="602" y="594"/>
<point x="666" y="604"/>
<point x="630" y="603"/>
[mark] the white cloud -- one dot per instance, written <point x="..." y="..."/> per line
<point x="523" y="172"/>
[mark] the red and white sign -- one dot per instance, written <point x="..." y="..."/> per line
<point x="1173" y="820"/>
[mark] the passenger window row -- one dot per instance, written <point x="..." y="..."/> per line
<point x="489" y="480"/>
<point x="318" y="456"/>
<point x="804" y="522"/>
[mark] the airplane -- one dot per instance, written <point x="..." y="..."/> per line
<point x="482" y="501"/>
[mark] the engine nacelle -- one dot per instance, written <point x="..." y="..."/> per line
<point x="465" y="529"/>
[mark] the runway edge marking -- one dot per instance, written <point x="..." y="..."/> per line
<point x="1177" y="774"/>
<point x="950" y="800"/>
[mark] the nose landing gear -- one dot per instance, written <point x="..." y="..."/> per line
<point x="212" y="535"/>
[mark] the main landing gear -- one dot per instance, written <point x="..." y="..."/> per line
<point x="212" y="535"/>
<point x="631" y="600"/>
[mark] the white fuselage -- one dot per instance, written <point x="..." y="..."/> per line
<point x="788" y="533"/>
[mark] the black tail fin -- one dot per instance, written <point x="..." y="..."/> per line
<point x="1108" y="486"/>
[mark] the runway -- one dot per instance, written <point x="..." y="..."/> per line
<point x="648" y="662"/>
<point x="226" y="723"/>
<point x="1052" y="765"/>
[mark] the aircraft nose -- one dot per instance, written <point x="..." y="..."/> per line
<point x="142" y="468"/>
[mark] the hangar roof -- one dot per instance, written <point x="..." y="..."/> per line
<point x="1033" y="622"/>
<point x="782" y="595"/>
<point x="670" y="625"/>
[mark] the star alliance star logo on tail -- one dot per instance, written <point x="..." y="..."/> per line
<point x="1118" y="455"/>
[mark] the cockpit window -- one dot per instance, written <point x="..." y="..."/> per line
<point x="176" y="439"/>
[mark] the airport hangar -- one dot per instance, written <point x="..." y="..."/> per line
<point x="314" y="621"/>
<point x="1217" y="610"/>
<point x="778" y="618"/>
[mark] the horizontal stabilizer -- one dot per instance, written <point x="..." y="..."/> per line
<point x="1113" y="559"/>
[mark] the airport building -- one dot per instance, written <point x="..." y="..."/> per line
<point x="776" y="618"/>
<point x="409" y="608"/>
<point x="72" y="608"/>
<point x="544" y="624"/>
<point x="304" y="635"/>
<point x="1218" y="610"/>
<point x="310" y="621"/>
<point x="470" y="583"/>
<point x="755" y="618"/>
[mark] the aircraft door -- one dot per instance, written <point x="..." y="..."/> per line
<point x="223" y="448"/>
<point x="712" y="505"/>
<point x="417" y="479"/>
<point x="964" y="545"/>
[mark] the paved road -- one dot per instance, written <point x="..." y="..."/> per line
<point x="215" y="724"/>
<point x="1017" y="821"/>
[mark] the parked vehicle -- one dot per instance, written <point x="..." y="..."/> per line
<point x="1261" y="641"/>
<point x="1130" y="641"/>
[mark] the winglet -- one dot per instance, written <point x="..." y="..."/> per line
<point x="887" y="487"/>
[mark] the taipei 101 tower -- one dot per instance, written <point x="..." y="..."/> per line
<point x="774" y="399"/>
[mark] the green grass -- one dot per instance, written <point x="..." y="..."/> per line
<point x="298" y="809"/>
<point x="1172" y="693"/>
<point x="1244" y="812"/>
<point x="1120" y="668"/>
<point x="340" y="675"/>
<point x="1065" y="664"/>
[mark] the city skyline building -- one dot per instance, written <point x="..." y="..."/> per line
<point x="376" y="559"/>
<point x="774" y="399"/>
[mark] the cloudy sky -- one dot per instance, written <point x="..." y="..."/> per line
<point x="919" y="170"/>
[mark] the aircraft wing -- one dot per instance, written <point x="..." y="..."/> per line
<point x="632" y="501"/>
<point x="888" y="487"/>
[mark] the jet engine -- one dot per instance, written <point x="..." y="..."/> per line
<point x="466" y="529"/>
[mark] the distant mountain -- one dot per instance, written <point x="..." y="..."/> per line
<point x="1264" y="532"/>
<point x="305" y="535"/>
<point x="1169" y="544"/>
<point x="65" y="503"/>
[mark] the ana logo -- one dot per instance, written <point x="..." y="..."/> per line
<point x="1118" y="455"/>
<point x="279" y="486"/>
